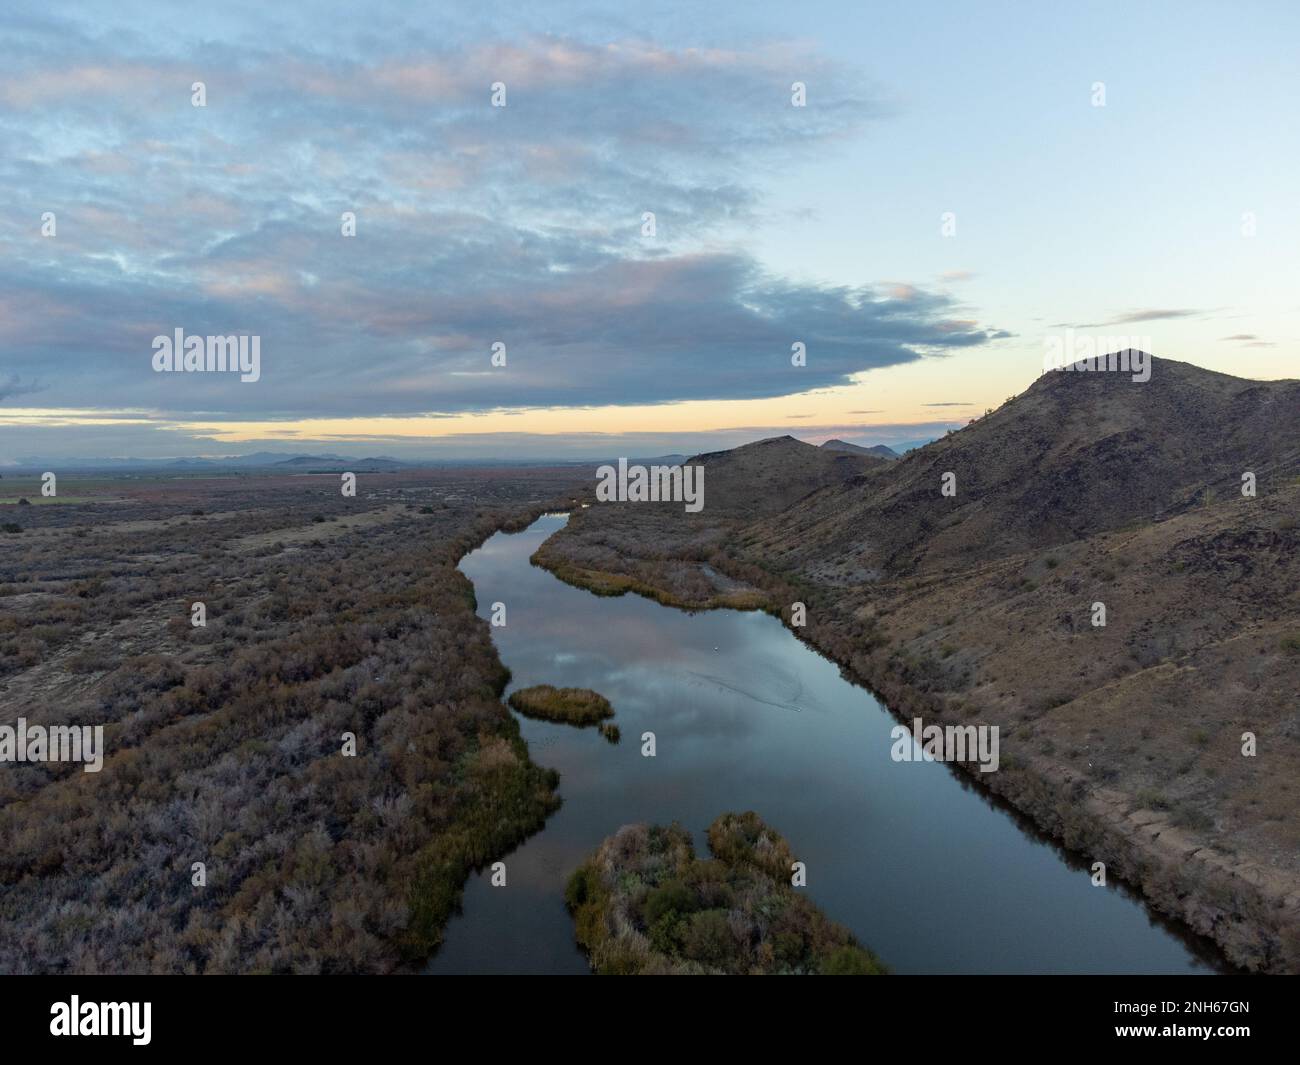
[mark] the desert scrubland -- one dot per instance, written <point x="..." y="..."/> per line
<point x="327" y="620"/>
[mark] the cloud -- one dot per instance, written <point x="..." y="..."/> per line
<point x="14" y="387"/>
<point x="579" y="328"/>
<point x="1150" y="316"/>
<point x="474" y="224"/>
<point x="1147" y="315"/>
<point x="1134" y="317"/>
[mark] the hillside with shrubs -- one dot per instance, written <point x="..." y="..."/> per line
<point x="1114" y="583"/>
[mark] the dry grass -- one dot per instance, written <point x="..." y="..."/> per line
<point x="569" y="706"/>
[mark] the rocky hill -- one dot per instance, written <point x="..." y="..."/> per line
<point x="1076" y="454"/>
<point x="770" y="476"/>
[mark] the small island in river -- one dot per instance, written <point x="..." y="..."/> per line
<point x="569" y="706"/>
<point x="643" y="903"/>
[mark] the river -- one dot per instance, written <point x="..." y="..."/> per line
<point x="925" y="870"/>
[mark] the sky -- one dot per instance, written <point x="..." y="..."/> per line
<point x="962" y="183"/>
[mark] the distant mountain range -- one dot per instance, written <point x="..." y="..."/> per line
<point x="260" y="460"/>
<point x="879" y="450"/>
<point x="278" y="461"/>
<point x="335" y="462"/>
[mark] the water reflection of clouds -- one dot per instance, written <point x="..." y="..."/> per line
<point x="788" y="702"/>
<point x="677" y="704"/>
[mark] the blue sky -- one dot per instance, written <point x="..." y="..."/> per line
<point x="523" y="224"/>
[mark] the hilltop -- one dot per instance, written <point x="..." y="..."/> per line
<point x="770" y="476"/>
<point x="882" y="451"/>
<point x="1074" y="455"/>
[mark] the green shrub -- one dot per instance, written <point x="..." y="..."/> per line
<point x="708" y="938"/>
<point x="673" y="898"/>
<point x="850" y="961"/>
<point x="644" y="903"/>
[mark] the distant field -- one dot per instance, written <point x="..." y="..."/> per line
<point x="69" y="489"/>
<point x="38" y="498"/>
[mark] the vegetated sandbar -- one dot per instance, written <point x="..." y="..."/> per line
<point x="644" y="904"/>
<point x="569" y="706"/>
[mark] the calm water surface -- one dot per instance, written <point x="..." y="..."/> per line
<point x="924" y="870"/>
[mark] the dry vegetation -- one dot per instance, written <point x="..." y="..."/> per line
<point x="569" y="706"/>
<point x="644" y="904"/>
<point x="325" y="616"/>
